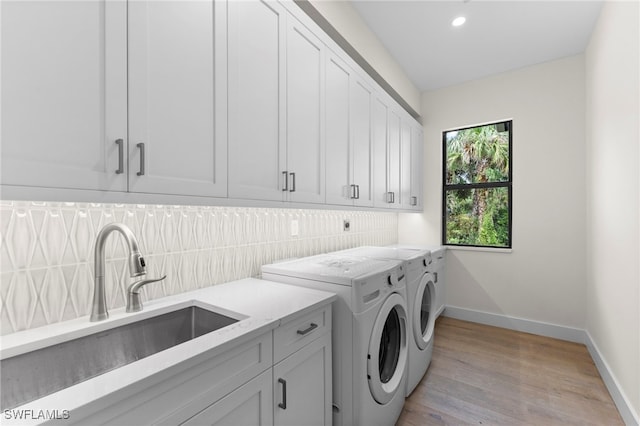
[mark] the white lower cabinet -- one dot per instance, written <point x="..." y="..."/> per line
<point x="282" y="377"/>
<point x="302" y="386"/>
<point x="174" y="396"/>
<point x="250" y="404"/>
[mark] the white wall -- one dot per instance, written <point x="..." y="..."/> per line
<point x="543" y="278"/>
<point x="613" y="188"/>
<point x="352" y="27"/>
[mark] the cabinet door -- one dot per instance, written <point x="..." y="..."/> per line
<point x="338" y="155"/>
<point x="64" y="94"/>
<point x="250" y="404"/>
<point x="362" y="142"/>
<point x="257" y="154"/>
<point x="394" y="158"/>
<point x="405" y="164"/>
<point x="417" y="165"/>
<point x="380" y="158"/>
<point x="302" y="386"/>
<point x="177" y="97"/>
<point x="305" y="89"/>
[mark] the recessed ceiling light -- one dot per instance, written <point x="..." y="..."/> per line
<point x="458" y="21"/>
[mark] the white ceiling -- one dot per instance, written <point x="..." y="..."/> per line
<point x="498" y="36"/>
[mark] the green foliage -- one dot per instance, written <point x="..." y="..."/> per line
<point x="488" y="236"/>
<point x="477" y="216"/>
<point x="479" y="154"/>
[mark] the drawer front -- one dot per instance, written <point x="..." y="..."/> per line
<point x="295" y="333"/>
<point x="185" y="393"/>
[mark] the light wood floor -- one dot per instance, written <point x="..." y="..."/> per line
<point x="493" y="376"/>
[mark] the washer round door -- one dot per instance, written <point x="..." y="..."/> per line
<point x="424" y="317"/>
<point x="387" y="356"/>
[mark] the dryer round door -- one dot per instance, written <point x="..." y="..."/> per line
<point x="424" y="307"/>
<point x="387" y="355"/>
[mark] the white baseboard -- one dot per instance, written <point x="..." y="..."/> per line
<point x="570" y="334"/>
<point x="519" y="324"/>
<point x="619" y="398"/>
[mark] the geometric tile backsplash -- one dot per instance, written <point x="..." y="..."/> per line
<point x="46" y="253"/>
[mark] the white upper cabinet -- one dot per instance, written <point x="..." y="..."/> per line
<point x="362" y="142"/>
<point x="405" y="164"/>
<point x="392" y="146"/>
<point x="146" y="100"/>
<point x="411" y="151"/>
<point x="276" y="79"/>
<point x="393" y="158"/>
<point x="64" y="94"/>
<point x="380" y="133"/>
<point x="305" y="101"/>
<point x="349" y="143"/>
<point x="257" y="144"/>
<point x="338" y="177"/>
<point x="77" y="76"/>
<point x="417" y="165"/>
<point x="177" y="97"/>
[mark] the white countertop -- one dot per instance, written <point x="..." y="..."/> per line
<point x="259" y="304"/>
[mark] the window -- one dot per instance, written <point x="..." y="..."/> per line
<point x="476" y="193"/>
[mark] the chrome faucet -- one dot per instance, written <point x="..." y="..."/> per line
<point x="137" y="266"/>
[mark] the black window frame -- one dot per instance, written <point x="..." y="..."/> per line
<point x="482" y="185"/>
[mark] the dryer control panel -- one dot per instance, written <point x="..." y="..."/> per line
<point x="367" y="292"/>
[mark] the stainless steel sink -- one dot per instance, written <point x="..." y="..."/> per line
<point x="35" y="374"/>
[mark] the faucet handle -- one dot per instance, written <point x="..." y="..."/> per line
<point x="134" y="304"/>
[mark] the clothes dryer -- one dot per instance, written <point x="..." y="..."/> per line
<point x="421" y="298"/>
<point x="437" y="268"/>
<point x="369" y="339"/>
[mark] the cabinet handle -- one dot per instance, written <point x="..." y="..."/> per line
<point x="293" y="182"/>
<point x="120" y="144"/>
<point x="283" y="404"/>
<point x="414" y="201"/>
<point x="353" y="191"/>
<point x="308" y="330"/>
<point x="357" y="192"/>
<point x="285" y="186"/>
<point x="435" y="277"/>
<point x="141" y="146"/>
<point x="391" y="197"/>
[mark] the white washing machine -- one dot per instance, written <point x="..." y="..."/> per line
<point x="421" y="298"/>
<point x="437" y="266"/>
<point x="369" y="332"/>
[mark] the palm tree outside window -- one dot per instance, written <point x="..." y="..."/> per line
<point x="477" y="190"/>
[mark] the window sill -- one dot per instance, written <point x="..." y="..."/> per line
<point x="485" y="249"/>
